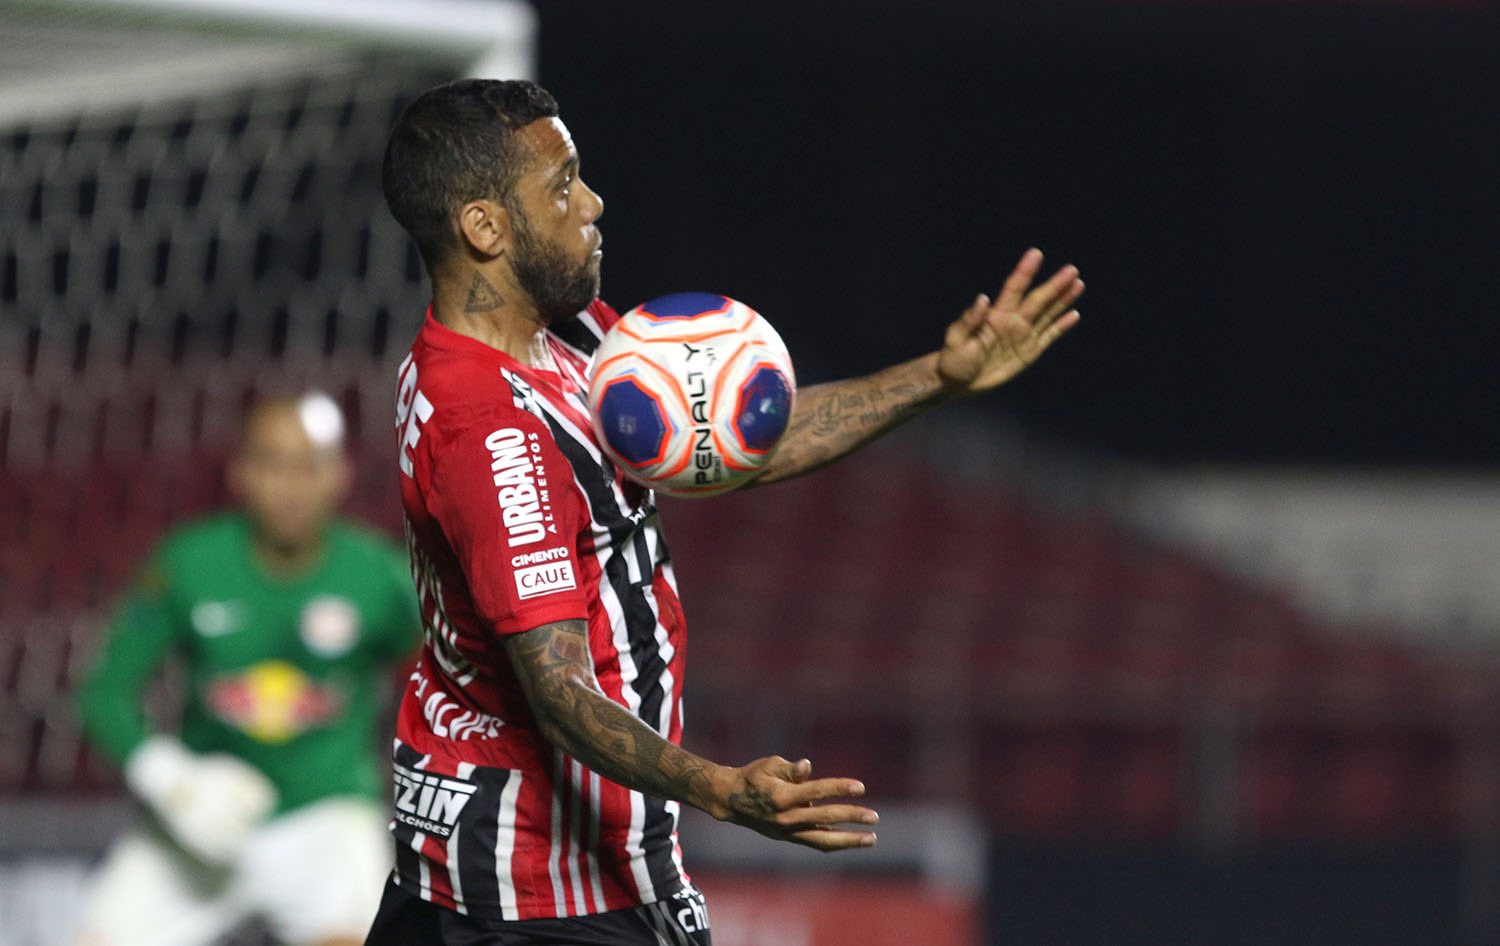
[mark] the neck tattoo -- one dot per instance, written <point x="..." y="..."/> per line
<point x="482" y="296"/>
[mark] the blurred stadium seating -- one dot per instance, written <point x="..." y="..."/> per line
<point x="942" y="640"/>
<point x="1057" y="674"/>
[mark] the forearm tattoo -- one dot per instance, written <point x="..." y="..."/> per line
<point x="557" y="673"/>
<point x="831" y="420"/>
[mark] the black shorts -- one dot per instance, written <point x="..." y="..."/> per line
<point x="405" y="919"/>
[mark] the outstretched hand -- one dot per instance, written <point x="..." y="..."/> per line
<point x="993" y="342"/>
<point x="774" y="797"/>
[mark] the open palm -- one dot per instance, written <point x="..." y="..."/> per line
<point x="993" y="342"/>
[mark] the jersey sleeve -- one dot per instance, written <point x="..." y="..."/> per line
<point x="136" y="643"/>
<point x="504" y="496"/>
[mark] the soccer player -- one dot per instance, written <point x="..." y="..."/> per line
<point x="288" y="624"/>
<point x="538" y="764"/>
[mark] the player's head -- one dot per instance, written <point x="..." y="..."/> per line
<point x="482" y="172"/>
<point x="290" y="471"/>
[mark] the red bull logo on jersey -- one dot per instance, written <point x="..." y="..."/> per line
<point x="273" y="701"/>
<point x="430" y="803"/>
<point x="521" y="482"/>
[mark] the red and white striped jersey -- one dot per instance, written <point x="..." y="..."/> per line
<point x="515" y="519"/>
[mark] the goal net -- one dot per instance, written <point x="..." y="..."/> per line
<point x="191" y="207"/>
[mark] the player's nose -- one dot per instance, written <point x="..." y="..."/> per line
<point x="593" y="204"/>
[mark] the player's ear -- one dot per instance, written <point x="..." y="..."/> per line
<point x="485" y="226"/>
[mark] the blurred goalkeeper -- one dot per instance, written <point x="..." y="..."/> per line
<point x="288" y="623"/>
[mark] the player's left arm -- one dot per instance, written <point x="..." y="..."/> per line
<point x="988" y="345"/>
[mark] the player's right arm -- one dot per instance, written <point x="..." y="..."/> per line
<point x="111" y="700"/>
<point x="207" y="802"/>
<point x="506" y="499"/>
<point x="771" y="795"/>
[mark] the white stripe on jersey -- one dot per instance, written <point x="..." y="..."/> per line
<point x="668" y="707"/>
<point x="667" y="651"/>
<point x="593" y="842"/>
<point x="635" y="836"/>
<point x="563" y="364"/>
<point x="559" y="898"/>
<point x="505" y="845"/>
<point x="635" y="848"/>
<point x="674" y="809"/>
<point x="587" y="318"/>
<point x="464" y="771"/>
<point x="424" y="871"/>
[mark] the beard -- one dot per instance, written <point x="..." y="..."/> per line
<point x="558" y="286"/>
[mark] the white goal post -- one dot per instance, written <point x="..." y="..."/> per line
<point x="58" y="56"/>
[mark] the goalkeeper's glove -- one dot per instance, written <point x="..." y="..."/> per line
<point x="208" y="803"/>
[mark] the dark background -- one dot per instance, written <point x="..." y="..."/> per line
<point x="1285" y="213"/>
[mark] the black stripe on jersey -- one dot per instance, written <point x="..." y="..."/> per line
<point x="408" y="862"/>
<point x="478" y="831"/>
<point x="575" y="334"/>
<point x="627" y="537"/>
<point x="658" y="824"/>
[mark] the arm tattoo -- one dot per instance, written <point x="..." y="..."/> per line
<point x="482" y="296"/>
<point x="832" y="420"/>
<point x="557" y="673"/>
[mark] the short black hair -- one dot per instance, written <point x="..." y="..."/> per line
<point x="455" y="143"/>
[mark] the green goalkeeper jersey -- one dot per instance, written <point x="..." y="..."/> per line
<point x="288" y="674"/>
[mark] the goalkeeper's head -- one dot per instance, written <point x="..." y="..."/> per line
<point x="290" y="471"/>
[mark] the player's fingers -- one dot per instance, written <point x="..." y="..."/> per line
<point x="819" y="789"/>
<point x="827" y="815"/>
<point x="974" y="314"/>
<point x="968" y="322"/>
<point x="1059" y="306"/>
<point x="827" y="839"/>
<point x="1056" y="329"/>
<point x="1019" y="279"/>
<point x="780" y="768"/>
<point x="1038" y="299"/>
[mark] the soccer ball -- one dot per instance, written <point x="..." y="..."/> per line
<point x="690" y="393"/>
